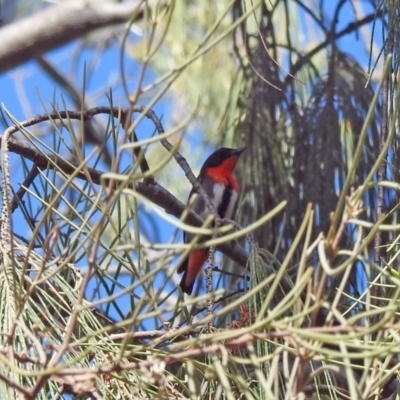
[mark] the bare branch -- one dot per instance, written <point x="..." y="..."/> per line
<point x="57" y="25"/>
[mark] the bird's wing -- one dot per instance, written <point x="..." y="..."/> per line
<point x="200" y="209"/>
<point x="198" y="205"/>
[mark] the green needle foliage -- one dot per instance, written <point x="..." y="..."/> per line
<point x="307" y="305"/>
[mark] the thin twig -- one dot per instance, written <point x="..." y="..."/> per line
<point x="376" y="290"/>
<point x="15" y="385"/>
<point x="351" y="27"/>
<point x="17" y="199"/>
<point x="224" y="272"/>
<point x="209" y="286"/>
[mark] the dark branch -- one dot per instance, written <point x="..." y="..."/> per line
<point x="351" y="27"/>
<point x="91" y="131"/>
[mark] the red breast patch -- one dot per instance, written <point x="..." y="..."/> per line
<point x="223" y="173"/>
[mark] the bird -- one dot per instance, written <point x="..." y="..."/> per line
<point x="216" y="178"/>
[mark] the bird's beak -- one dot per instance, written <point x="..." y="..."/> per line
<point x="238" y="152"/>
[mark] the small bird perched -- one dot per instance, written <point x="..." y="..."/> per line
<point x="216" y="178"/>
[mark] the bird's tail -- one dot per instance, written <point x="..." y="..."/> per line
<point x="191" y="268"/>
<point x="185" y="286"/>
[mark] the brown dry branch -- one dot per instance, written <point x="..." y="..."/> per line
<point x="80" y="380"/>
<point x="240" y="339"/>
<point x="15" y="385"/>
<point x="217" y="348"/>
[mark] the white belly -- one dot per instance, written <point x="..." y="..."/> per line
<point x="218" y="195"/>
